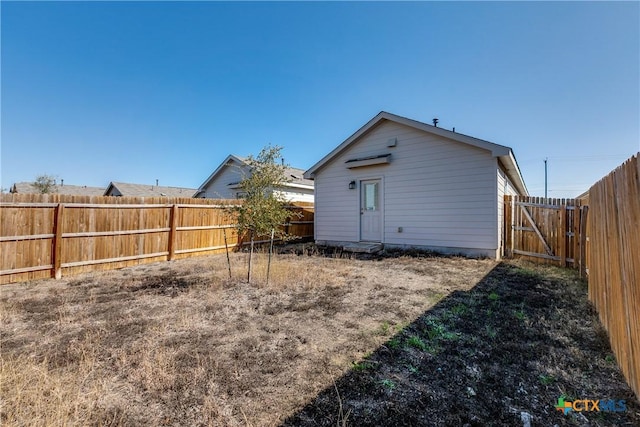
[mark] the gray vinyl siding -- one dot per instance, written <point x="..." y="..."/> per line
<point x="218" y="188"/>
<point x="441" y="192"/>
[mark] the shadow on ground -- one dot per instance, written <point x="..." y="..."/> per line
<point x="507" y="349"/>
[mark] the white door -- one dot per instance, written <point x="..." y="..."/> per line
<point x="370" y="211"/>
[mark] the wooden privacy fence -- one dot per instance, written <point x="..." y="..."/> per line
<point x="599" y="234"/>
<point x="613" y="257"/>
<point x="44" y="236"/>
<point x="546" y="230"/>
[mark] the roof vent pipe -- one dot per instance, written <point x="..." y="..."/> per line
<point x="435" y="121"/>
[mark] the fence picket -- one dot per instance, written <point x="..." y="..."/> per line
<point x="57" y="241"/>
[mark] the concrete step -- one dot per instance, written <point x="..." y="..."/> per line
<point x="362" y="247"/>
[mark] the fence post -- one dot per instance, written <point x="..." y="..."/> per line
<point x="507" y="248"/>
<point x="562" y="235"/>
<point x="57" y="241"/>
<point x="584" y="214"/>
<point x="575" y="230"/>
<point x="173" y="218"/>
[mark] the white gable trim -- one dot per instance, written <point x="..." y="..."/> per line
<point x="513" y="172"/>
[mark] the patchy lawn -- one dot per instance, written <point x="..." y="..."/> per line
<point x="502" y="353"/>
<point x="393" y="341"/>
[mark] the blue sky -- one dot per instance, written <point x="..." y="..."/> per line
<point x="134" y="92"/>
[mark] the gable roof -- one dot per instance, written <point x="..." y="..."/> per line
<point x="295" y="175"/>
<point x="146" y="190"/>
<point x="503" y="153"/>
<point x="72" y="190"/>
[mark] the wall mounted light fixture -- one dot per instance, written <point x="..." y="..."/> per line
<point x="352" y="185"/>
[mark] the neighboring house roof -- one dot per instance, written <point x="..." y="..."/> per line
<point x="503" y="153"/>
<point x="294" y="175"/>
<point x="72" y="190"/>
<point x="146" y="190"/>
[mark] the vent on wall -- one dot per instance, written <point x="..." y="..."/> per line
<point x="392" y="142"/>
<point x="369" y="161"/>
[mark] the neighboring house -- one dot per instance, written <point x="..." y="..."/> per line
<point x="224" y="182"/>
<point x="404" y="183"/>
<point x="62" y="188"/>
<point x="146" y="190"/>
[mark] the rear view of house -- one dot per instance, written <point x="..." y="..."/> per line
<point x="403" y="183"/>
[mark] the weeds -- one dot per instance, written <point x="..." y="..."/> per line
<point x="460" y="309"/>
<point x="388" y="384"/>
<point x="402" y="326"/>
<point x="546" y="379"/>
<point x="384" y="328"/>
<point x="520" y="314"/>
<point x="393" y="343"/>
<point x="416" y="342"/>
<point x="342" y="416"/>
<point x="491" y="331"/>
<point x="361" y="366"/>
<point x="436" y="331"/>
<point x="435" y="297"/>
<point x="412" y="369"/>
<point x="527" y="273"/>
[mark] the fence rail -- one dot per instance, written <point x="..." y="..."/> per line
<point x="46" y="236"/>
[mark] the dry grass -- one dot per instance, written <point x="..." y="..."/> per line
<point x="181" y="343"/>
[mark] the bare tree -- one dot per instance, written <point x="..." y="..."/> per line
<point x="45" y="184"/>
<point x="263" y="209"/>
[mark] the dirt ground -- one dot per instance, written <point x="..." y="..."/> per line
<point x="397" y="340"/>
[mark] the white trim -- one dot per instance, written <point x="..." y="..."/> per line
<point x="512" y="171"/>
<point x="292" y="185"/>
<point x="381" y="190"/>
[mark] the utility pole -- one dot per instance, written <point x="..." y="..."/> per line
<point x="545" y="177"/>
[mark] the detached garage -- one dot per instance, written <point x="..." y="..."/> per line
<point x="402" y="183"/>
